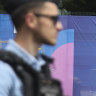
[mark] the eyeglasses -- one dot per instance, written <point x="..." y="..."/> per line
<point x="54" y="18"/>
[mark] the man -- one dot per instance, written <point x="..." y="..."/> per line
<point x="36" y="23"/>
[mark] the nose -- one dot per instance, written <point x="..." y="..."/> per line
<point x="59" y="26"/>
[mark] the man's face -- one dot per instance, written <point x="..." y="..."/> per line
<point x="47" y="28"/>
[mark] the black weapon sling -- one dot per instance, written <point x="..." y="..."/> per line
<point x="34" y="83"/>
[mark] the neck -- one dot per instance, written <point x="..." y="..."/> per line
<point x="28" y="42"/>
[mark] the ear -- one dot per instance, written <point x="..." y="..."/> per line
<point x="30" y="20"/>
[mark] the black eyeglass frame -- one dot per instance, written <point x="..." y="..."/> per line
<point x="55" y="19"/>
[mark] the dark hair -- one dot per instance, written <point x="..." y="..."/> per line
<point x="18" y="16"/>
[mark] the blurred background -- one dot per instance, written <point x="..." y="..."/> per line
<point x="75" y="52"/>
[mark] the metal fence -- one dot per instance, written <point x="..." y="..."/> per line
<point x="64" y="12"/>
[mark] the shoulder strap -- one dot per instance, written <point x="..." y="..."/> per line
<point x="34" y="84"/>
<point x="45" y="68"/>
<point x="15" y="62"/>
<point x="24" y="71"/>
<point x="29" y="76"/>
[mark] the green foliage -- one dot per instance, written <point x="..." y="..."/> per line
<point x="80" y="5"/>
<point x="1" y="7"/>
<point x="74" y="5"/>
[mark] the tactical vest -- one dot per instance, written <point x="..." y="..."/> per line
<point x="34" y="83"/>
